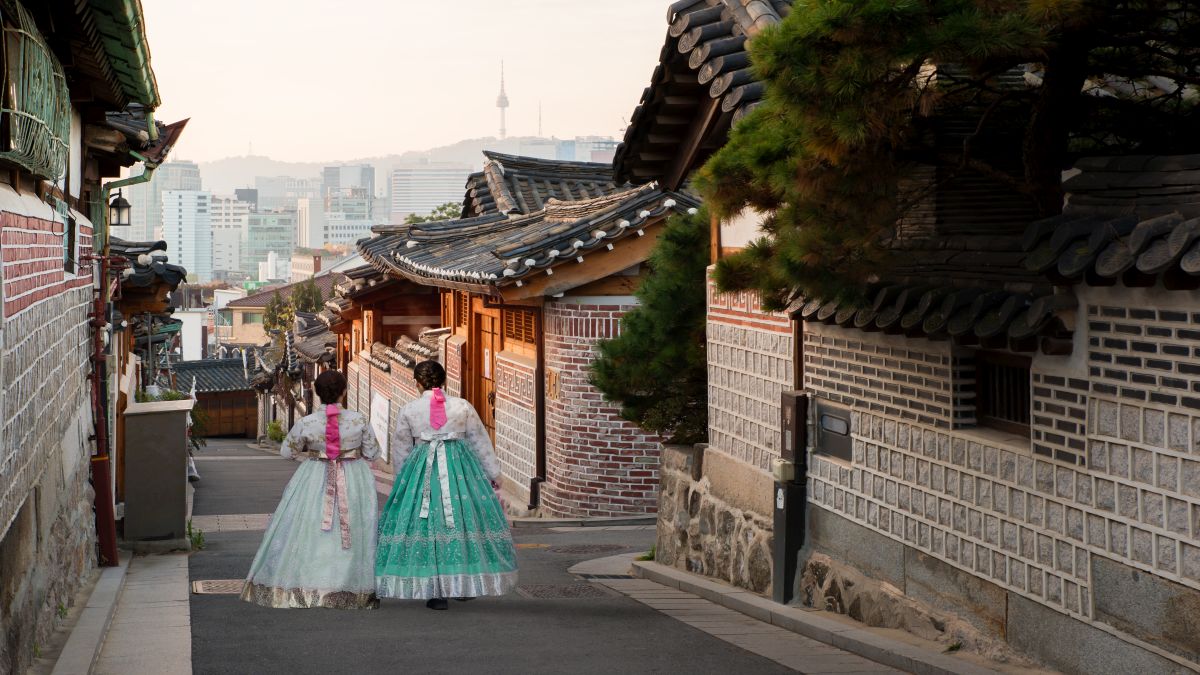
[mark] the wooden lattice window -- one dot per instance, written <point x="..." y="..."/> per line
<point x="1002" y="392"/>
<point x="520" y="326"/>
<point x="462" y="304"/>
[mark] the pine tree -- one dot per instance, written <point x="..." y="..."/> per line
<point x="656" y="368"/>
<point x="307" y="297"/>
<point x="279" y="315"/>
<point x="853" y="85"/>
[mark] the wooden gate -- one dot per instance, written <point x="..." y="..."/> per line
<point x="486" y="343"/>
<point x="230" y="413"/>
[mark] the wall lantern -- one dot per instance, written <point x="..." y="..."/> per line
<point x="118" y="211"/>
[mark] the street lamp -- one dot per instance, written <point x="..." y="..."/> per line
<point x="118" y="211"/>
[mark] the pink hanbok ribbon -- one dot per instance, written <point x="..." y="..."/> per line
<point x="437" y="409"/>
<point x="335" y="478"/>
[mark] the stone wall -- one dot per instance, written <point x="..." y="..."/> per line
<point x="597" y="464"/>
<point x="367" y="380"/>
<point x="454" y="351"/>
<point x="516" y="421"/>
<point x="47" y="533"/>
<point x="1098" y="506"/>
<point x="709" y="517"/>
<point x="750" y="363"/>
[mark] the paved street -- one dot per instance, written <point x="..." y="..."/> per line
<point x="558" y="622"/>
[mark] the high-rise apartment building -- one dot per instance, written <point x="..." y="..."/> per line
<point x="281" y="192"/>
<point x="419" y="188"/>
<point x="230" y="216"/>
<point x="355" y="176"/>
<point x="146" y="202"/>
<point x="310" y="223"/>
<point x="267" y="232"/>
<point x="187" y="229"/>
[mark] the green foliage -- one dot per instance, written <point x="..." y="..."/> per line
<point x="648" y="555"/>
<point x="164" y="395"/>
<point x="851" y="103"/>
<point x="447" y="211"/>
<point x="275" y="431"/>
<point x="656" y="369"/>
<point x="307" y="297"/>
<point x="62" y="611"/>
<point x="199" y="429"/>
<point x="279" y="315"/>
<point x="195" y="536"/>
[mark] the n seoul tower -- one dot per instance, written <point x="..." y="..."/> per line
<point x="502" y="104"/>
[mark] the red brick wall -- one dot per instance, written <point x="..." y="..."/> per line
<point x="453" y="353"/>
<point x="32" y="251"/>
<point x="596" y="463"/>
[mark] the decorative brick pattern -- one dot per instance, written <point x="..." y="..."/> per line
<point x="1059" y="420"/>
<point x="32" y="252"/>
<point x="43" y="368"/>
<point x="597" y="464"/>
<point x="516" y="421"/>
<point x="1112" y="470"/>
<point x="453" y="352"/>
<point x="750" y="363"/>
<point x="990" y="510"/>
<point x="912" y="380"/>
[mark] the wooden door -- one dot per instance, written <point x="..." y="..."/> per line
<point x="486" y="343"/>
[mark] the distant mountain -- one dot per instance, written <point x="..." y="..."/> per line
<point x="222" y="176"/>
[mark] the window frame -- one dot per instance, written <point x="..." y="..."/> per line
<point x="1014" y="415"/>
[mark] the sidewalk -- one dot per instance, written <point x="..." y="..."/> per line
<point x="151" y="631"/>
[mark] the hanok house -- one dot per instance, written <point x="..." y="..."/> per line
<point x="525" y="296"/>
<point x="66" y="65"/>
<point x="1006" y="432"/>
<point x="224" y="395"/>
<point x="242" y="319"/>
<point x="717" y="502"/>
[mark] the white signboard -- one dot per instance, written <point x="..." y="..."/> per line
<point x="487" y="364"/>
<point x="380" y="408"/>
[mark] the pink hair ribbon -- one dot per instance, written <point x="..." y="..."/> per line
<point x="437" y="409"/>
<point x="335" y="478"/>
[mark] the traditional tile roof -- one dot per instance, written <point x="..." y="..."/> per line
<point x="704" y="59"/>
<point x="211" y="375"/>
<point x="148" y="264"/>
<point x="971" y="315"/>
<point x="1133" y="220"/>
<point x="408" y="352"/>
<point x="261" y="298"/>
<point x="512" y="184"/>
<point x="495" y="250"/>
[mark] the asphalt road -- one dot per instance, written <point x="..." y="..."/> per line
<point x="526" y="632"/>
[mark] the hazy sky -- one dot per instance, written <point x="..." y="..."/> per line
<point x="310" y="80"/>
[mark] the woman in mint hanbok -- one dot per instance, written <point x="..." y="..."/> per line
<point x="443" y="533"/>
<point x="319" y="549"/>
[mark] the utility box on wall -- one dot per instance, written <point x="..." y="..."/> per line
<point x="156" y="453"/>
<point x="831" y="429"/>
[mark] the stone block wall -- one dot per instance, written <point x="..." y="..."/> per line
<point x="516" y="420"/>
<point x="1099" y="506"/>
<point x="454" y="351"/>
<point x="597" y="464"/>
<point x="396" y="384"/>
<point x="750" y="363"/>
<point x="47" y="535"/>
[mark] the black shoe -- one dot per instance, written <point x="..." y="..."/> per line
<point x="437" y="603"/>
<point x="464" y="599"/>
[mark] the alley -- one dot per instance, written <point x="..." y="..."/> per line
<point x="557" y="622"/>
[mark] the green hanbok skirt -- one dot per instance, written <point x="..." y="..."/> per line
<point x="443" y="533"/>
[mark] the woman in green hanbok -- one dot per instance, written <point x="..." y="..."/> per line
<point x="443" y="533"/>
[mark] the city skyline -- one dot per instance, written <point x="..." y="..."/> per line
<point x="267" y="64"/>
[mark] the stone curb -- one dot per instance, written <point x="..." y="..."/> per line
<point x="582" y="522"/>
<point x="80" y="653"/>
<point x="860" y="641"/>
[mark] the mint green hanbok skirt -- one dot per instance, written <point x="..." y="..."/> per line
<point x="443" y="533"/>
<point x="299" y="563"/>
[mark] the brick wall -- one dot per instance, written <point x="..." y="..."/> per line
<point x="597" y="464"/>
<point x="453" y="352"/>
<point x="1110" y="478"/>
<point x="516" y="420"/>
<point x="750" y="363"/>
<point x="47" y="539"/>
<point x="397" y="385"/>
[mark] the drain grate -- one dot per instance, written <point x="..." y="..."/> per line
<point x="605" y="576"/>
<point x="560" y="591"/>
<point x="218" y="586"/>
<point x="583" y="549"/>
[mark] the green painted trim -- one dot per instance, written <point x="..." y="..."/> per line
<point x="122" y="30"/>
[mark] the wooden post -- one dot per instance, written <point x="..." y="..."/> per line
<point x="714" y="239"/>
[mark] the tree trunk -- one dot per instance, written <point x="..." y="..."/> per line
<point x="1050" y="124"/>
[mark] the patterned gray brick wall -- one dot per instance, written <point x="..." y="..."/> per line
<point x="43" y="367"/>
<point x="750" y="363"/>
